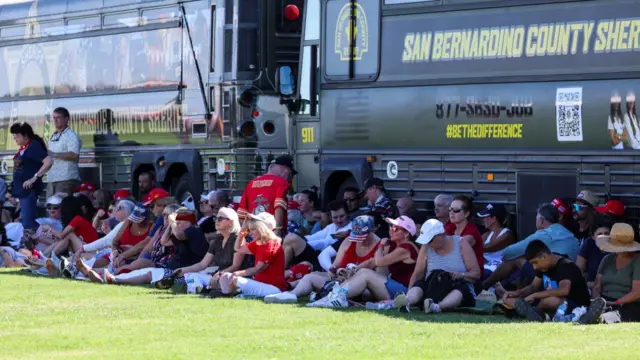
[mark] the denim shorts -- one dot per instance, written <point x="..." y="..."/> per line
<point x="394" y="288"/>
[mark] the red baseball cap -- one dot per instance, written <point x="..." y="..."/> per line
<point x="613" y="207"/>
<point x="561" y="206"/>
<point x="155" y="194"/>
<point x="293" y="205"/>
<point x="121" y="194"/>
<point x="85" y="186"/>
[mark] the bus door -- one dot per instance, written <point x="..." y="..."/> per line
<point x="304" y="125"/>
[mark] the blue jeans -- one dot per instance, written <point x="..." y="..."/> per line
<point x="394" y="288"/>
<point x="28" y="211"/>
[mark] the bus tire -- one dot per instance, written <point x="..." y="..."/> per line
<point x="181" y="188"/>
<point x="348" y="182"/>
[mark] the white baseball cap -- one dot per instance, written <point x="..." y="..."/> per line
<point x="54" y="200"/>
<point x="207" y="196"/>
<point x="266" y="218"/>
<point x="430" y="229"/>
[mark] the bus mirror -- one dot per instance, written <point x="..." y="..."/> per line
<point x="285" y="81"/>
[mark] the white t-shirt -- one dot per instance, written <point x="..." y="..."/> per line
<point x="618" y="128"/>
<point x="62" y="142"/>
<point x="493" y="259"/>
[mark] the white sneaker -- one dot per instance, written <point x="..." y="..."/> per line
<point x="401" y="303"/>
<point x="611" y="317"/>
<point x="337" y="298"/>
<point x="286" y="297"/>
<point x="430" y="307"/>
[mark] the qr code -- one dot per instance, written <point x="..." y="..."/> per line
<point x="569" y="114"/>
<point x="569" y="120"/>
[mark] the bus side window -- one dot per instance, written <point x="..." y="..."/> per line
<point x="309" y="85"/>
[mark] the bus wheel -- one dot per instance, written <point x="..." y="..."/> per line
<point x="348" y="182"/>
<point x="181" y="189"/>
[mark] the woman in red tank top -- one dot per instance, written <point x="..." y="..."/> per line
<point x="460" y="214"/>
<point x="135" y="229"/>
<point x="398" y="254"/>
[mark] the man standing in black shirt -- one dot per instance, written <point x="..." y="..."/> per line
<point x="538" y="300"/>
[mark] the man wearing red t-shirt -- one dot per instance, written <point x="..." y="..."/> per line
<point x="268" y="193"/>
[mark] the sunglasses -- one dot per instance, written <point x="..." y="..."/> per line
<point x="455" y="211"/>
<point x="53" y="207"/>
<point x="350" y="199"/>
<point x="220" y="218"/>
<point x="578" y="207"/>
<point x="395" y="228"/>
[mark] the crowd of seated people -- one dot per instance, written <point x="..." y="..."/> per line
<point x="580" y="265"/>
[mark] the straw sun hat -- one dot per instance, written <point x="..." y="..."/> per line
<point x="620" y="240"/>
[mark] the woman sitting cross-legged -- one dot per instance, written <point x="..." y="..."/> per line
<point x="451" y="268"/>
<point x="616" y="292"/>
<point x="357" y="252"/>
<point x="266" y="247"/>
<point x="190" y="244"/>
<point x="220" y="255"/>
<point x="398" y="254"/>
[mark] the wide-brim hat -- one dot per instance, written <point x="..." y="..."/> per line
<point x="621" y="239"/>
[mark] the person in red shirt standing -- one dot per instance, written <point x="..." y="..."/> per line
<point x="268" y="193"/>
<point x="268" y="272"/>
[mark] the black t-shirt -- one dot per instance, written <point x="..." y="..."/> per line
<point x="565" y="269"/>
<point x="189" y="251"/>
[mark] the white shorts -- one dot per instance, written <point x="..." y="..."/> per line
<point x="157" y="274"/>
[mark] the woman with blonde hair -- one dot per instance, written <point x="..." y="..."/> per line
<point x="220" y="256"/>
<point x="266" y="247"/>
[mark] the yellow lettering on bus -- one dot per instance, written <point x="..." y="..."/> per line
<point x="436" y="53"/>
<point x="417" y="47"/>
<point x="532" y="38"/>
<point x="407" y="54"/>
<point x="307" y="135"/>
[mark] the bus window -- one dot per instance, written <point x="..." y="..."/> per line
<point x="77" y="25"/>
<point x="12" y="32"/>
<point x="52" y="28"/>
<point x="309" y="80"/>
<point x="312" y="20"/>
<point x="161" y="15"/>
<point x="212" y="44"/>
<point x="341" y="38"/>
<point x="247" y="56"/>
<point x="127" y="19"/>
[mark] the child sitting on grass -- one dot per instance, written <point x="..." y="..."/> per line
<point x="535" y="302"/>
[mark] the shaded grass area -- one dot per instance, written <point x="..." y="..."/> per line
<point x="43" y="318"/>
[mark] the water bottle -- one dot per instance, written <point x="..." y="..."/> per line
<point x="560" y="315"/>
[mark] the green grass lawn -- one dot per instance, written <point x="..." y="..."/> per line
<point x="43" y="318"/>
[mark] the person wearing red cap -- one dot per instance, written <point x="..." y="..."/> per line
<point x="615" y="208"/>
<point x="268" y="193"/>
<point x="86" y="188"/>
<point x="121" y="194"/>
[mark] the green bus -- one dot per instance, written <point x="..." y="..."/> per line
<point x="513" y="102"/>
<point x="150" y="85"/>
